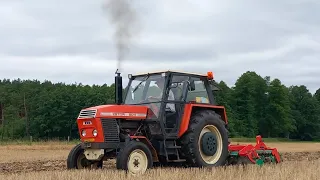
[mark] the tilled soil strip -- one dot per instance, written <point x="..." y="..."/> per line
<point x="300" y="156"/>
<point x="18" y="167"/>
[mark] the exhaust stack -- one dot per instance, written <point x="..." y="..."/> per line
<point x="118" y="88"/>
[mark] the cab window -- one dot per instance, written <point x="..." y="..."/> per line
<point x="200" y="94"/>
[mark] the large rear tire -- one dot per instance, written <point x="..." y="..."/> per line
<point x="135" y="158"/>
<point x="205" y="143"/>
<point x="77" y="160"/>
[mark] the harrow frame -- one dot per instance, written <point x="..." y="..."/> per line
<point x="256" y="154"/>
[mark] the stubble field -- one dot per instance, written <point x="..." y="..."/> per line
<point x="48" y="161"/>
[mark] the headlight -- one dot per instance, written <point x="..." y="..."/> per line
<point x="95" y="133"/>
<point x="83" y="133"/>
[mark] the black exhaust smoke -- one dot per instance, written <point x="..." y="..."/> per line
<point x="124" y="19"/>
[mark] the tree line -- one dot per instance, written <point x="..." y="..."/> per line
<point x="255" y="105"/>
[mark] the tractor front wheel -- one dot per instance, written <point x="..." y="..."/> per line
<point x="205" y="143"/>
<point x="135" y="158"/>
<point x="77" y="160"/>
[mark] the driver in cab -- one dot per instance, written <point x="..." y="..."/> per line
<point x="170" y="106"/>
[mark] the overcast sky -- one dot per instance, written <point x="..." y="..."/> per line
<point x="72" y="41"/>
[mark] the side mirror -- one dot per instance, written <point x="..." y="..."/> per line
<point x="191" y="85"/>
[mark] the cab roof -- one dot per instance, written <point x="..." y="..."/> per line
<point x="171" y="71"/>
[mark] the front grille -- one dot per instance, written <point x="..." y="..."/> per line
<point x="89" y="113"/>
<point x="110" y="130"/>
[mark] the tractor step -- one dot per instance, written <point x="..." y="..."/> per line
<point x="171" y="136"/>
<point x="173" y="147"/>
<point x="177" y="160"/>
<point x="170" y="129"/>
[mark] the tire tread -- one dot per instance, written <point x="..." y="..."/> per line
<point x="189" y="140"/>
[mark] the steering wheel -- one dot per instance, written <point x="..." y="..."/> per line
<point x="151" y="105"/>
<point x="148" y="99"/>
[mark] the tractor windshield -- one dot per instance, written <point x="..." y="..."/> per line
<point x="145" y="89"/>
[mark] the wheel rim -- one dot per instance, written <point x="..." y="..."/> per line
<point x="217" y="151"/>
<point x="137" y="162"/>
<point x="208" y="143"/>
<point x="84" y="163"/>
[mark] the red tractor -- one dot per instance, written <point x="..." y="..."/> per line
<point x="164" y="117"/>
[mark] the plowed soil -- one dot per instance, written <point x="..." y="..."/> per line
<point x="300" y="156"/>
<point x="58" y="165"/>
<point x="53" y="165"/>
<point x="16" y="160"/>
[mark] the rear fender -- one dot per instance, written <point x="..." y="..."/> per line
<point x="148" y="143"/>
<point x="189" y="109"/>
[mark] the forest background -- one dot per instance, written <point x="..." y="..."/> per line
<point x="255" y="105"/>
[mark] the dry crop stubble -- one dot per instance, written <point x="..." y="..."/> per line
<point x="287" y="170"/>
<point x="48" y="161"/>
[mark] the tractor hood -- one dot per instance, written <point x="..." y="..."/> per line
<point x="115" y="111"/>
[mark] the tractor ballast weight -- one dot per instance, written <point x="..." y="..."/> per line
<point x="163" y="117"/>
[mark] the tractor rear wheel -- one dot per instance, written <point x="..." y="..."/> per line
<point x="206" y="140"/>
<point x="77" y="160"/>
<point x="135" y="158"/>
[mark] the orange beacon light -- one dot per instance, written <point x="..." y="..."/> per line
<point x="210" y="75"/>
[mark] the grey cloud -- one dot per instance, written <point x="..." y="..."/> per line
<point x="274" y="38"/>
<point x="165" y="55"/>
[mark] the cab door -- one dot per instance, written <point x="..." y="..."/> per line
<point x="174" y="102"/>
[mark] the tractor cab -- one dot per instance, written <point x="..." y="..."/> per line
<point x="166" y="94"/>
<point x="169" y="87"/>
